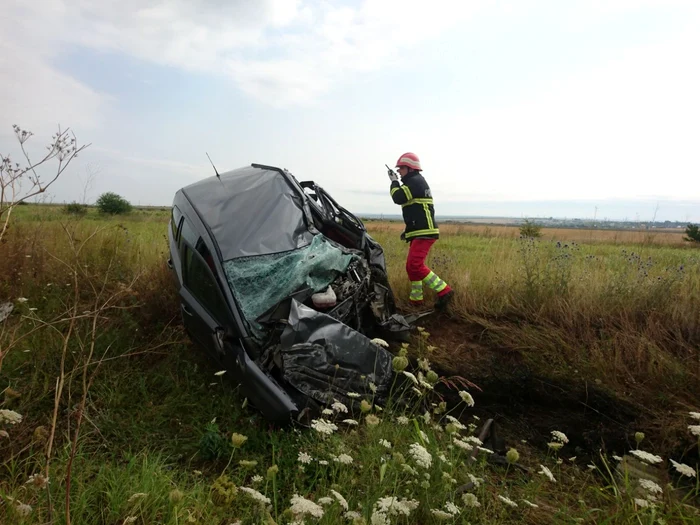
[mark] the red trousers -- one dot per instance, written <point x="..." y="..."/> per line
<point x="415" y="262"/>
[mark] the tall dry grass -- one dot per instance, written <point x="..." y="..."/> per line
<point x="628" y="313"/>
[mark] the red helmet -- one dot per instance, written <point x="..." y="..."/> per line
<point x="410" y="160"/>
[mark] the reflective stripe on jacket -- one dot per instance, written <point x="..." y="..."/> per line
<point x="416" y="206"/>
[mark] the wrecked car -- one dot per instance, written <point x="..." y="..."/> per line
<point x="285" y="289"/>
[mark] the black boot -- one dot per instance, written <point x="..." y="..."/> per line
<point x="443" y="300"/>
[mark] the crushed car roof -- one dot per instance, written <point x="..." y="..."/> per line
<point x="252" y="191"/>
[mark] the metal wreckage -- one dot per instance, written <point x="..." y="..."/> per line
<point x="285" y="289"/>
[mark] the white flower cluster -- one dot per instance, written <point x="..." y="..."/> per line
<point x="323" y="427"/>
<point x="301" y="507"/>
<point x="387" y="507"/>
<point x="420" y="455"/>
<point x="646" y="456"/>
<point x="559" y="436"/>
<point x="467" y="398"/>
<point x="255" y="495"/>
<point x="548" y="473"/>
<point x="339" y="407"/>
<point x="10" y="416"/>
<point x="343" y="459"/>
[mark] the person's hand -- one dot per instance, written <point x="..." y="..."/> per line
<point x="392" y="175"/>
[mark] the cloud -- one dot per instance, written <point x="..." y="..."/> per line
<point x="279" y="51"/>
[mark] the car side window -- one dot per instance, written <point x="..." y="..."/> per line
<point x="201" y="282"/>
<point x="175" y="223"/>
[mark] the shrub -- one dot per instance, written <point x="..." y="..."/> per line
<point x="530" y="229"/>
<point x="75" y="208"/>
<point x="113" y="204"/>
<point x="692" y="233"/>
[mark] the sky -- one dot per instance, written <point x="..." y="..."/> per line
<point x="516" y="108"/>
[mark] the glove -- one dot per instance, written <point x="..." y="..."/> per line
<point x="403" y="235"/>
<point x="393" y="176"/>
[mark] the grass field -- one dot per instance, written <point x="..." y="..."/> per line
<point x="595" y="334"/>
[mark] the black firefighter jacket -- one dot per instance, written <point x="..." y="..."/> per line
<point x="416" y="205"/>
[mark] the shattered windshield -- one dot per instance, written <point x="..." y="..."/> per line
<point x="261" y="282"/>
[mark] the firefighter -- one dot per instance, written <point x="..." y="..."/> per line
<point x="421" y="230"/>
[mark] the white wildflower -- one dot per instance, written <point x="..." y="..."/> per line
<point x="402" y="420"/>
<point x="456" y="422"/>
<point x="322" y="462"/>
<point x="530" y="504"/>
<point x="410" y="376"/>
<point x="38" y="480"/>
<point x="327" y="412"/>
<point x="137" y="496"/>
<point x="683" y="469"/>
<point x="255" y="495"/>
<point x="22" y="299"/>
<point x="694" y="429"/>
<point x="591" y="467"/>
<point x="325" y="501"/>
<point x="547" y="473"/>
<point x="441" y="514"/>
<point x="23" y="509"/>
<point x="416" y="391"/>
<point x="420" y="455"/>
<point x="426" y="417"/>
<point x="391" y="506"/>
<point x="257" y="479"/>
<point x="343" y="502"/>
<point x="350" y="422"/>
<point x="487" y="450"/>
<point x="695" y="415"/>
<point x="344" y="459"/>
<point x="354" y="395"/>
<point x="617" y="458"/>
<point x="323" y="427"/>
<point x="467" y="398"/>
<point x="641" y="502"/>
<point x="424" y="436"/>
<point x="559" y="436"/>
<point x="470" y="500"/>
<point x="10" y="416"/>
<point x="220" y="373"/>
<point x="426" y="385"/>
<point x="646" y="456"/>
<point x="424" y="364"/>
<point x="476" y="481"/>
<point x="380" y="342"/>
<point x="442" y="457"/>
<point x="373" y="388"/>
<point x="305" y="458"/>
<point x="507" y="501"/>
<point x="339" y="407"/>
<point x="650" y="486"/>
<point x="385" y="443"/>
<point x="474" y="440"/>
<point x="462" y="444"/>
<point x="352" y="515"/>
<point x="4" y="434"/>
<point x="301" y="507"/>
<point x="129" y="520"/>
<point x="555" y="445"/>
<point x="451" y="508"/>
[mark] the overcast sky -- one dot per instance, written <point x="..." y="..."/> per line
<point x="515" y="108"/>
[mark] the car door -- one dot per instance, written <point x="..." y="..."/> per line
<point x="204" y="309"/>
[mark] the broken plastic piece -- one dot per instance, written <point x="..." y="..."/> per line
<point x="325" y="299"/>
